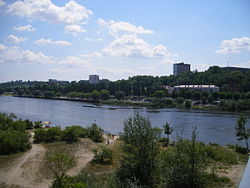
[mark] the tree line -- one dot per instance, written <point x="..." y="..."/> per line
<point x="228" y="81"/>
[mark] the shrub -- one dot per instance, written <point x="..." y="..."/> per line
<point x="70" y="135"/>
<point x="95" y="133"/>
<point x="53" y="134"/>
<point x="241" y="149"/>
<point x="103" y="155"/>
<point x="40" y="135"/>
<point x="13" y="141"/>
<point x="187" y="104"/>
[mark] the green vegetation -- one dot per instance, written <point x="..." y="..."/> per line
<point x="139" y="164"/>
<point x="234" y="95"/>
<point x="168" y="130"/>
<point x="103" y="155"/>
<point x="242" y="132"/>
<point x="69" y="134"/>
<point x="59" y="164"/>
<point x="184" y="165"/>
<point x="13" y="137"/>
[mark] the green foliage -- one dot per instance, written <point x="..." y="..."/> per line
<point x="218" y="153"/>
<point x="82" y="180"/>
<point x="58" y="164"/>
<point x="70" y="135"/>
<point x="95" y="133"/>
<point x="187" y="104"/>
<point x="119" y="95"/>
<point x="104" y="94"/>
<point x="241" y="149"/>
<point x="47" y="135"/>
<point x="13" y="141"/>
<point x="168" y="130"/>
<point x="180" y="100"/>
<point x="141" y="151"/>
<point x="159" y="94"/>
<point x="103" y="155"/>
<point x="13" y="138"/>
<point x="242" y="132"/>
<point x="184" y="165"/>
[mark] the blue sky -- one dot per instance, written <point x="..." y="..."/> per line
<point x="71" y="39"/>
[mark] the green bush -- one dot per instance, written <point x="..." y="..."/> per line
<point x="82" y="132"/>
<point x="103" y="155"/>
<point x="70" y="135"/>
<point x="40" y="135"/>
<point x="95" y="133"/>
<point x="47" y="135"/>
<point x="187" y="104"/>
<point x="13" y="141"/>
<point x="241" y="149"/>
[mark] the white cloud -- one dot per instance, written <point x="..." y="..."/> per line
<point x="74" y="29"/>
<point x="70" y="13"/>
<point x="75" y="61"/>
<point x="2" y="3"/>
<point x="91" y="55"/>
<point x="132" y="46"/>
<point x="2" y="47"/>
<point x="233" y="46"/>
<point x="49" y="41"/>
<point x="17" y="55"/>
<point x="27" y="28"/>
<point x="116" y="27"/>
<point x="59" y="70"/>
<point x="93" y="40"/>
<point x="14" y="39"/>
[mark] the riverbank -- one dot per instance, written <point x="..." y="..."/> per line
<point x="155" y="103"/>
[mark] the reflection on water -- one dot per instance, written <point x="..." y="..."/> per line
<point x="212" y="127"/>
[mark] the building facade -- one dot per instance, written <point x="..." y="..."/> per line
<point x="94" y="79"/>
<point x="206" y="88"/>
<point x="180" y="68"/>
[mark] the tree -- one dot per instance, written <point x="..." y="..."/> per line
<point x="119" y="95"/>
<point x="69" y="135"/>
<point x="241" y="130"/>
<point x="95" y="133"/>
<point x="59" y="163"/>
<point x="159" y="94"/>
<point x="187" y="104"/>
<point x="184" y="165"/>
<point x="141" y="150"/>
<point x="104" y="94"/>
<point x="168" y="131"/>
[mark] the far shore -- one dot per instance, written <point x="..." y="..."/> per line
<point x="131" y="103"/>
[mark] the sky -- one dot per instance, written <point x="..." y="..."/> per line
<point x="117" y="39"/>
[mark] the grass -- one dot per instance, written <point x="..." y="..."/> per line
<point x="108" y="168"/>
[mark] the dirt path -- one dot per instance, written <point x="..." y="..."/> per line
<point x="25" y="171"/>
<point x="83" y="156"/>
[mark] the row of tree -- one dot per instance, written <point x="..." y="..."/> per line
<point x="227" y="80"/>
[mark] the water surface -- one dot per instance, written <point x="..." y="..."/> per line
<point x="212" y="127"/>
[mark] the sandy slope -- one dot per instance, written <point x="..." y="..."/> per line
<point x="25" y="171"/>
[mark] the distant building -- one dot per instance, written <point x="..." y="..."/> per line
<point x="52" y="81"/>
<point x="169" y="89"/>
<point x="94" y="79"/>
<point x="207" y="88"/>
<point x="180" y="68"/>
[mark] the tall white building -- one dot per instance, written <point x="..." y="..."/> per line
<point x="180" y="68"/>
<point x="94" y="79"/>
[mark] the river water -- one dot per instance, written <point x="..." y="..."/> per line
<point x="212" y="127"/>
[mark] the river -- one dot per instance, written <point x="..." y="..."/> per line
<point x="212" y="127"/>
